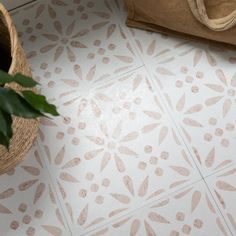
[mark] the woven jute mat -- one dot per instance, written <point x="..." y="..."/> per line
<point x="24" y="130"/>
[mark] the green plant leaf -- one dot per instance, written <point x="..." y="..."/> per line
<point x="39" y="102"/>
<point x="20" y="79"/>
<point x="13" y="104"/>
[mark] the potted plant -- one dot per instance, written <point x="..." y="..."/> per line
<point x="20" y="105"/>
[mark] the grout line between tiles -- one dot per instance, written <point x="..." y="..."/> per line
<point x="159" y="93"/>
<point x="166" y="107"/>
<point x="171" y="115"/>
<point x="217" y="171"/>
<point x="52" y="180"/>
<point x="105" y="82"/>
<point x="168" y="194"/>
<point x="184" y="141"/>
<point x="23" y="5"/>
<point x="218" y="207"/>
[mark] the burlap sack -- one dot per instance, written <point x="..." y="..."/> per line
<point x="208" y="19"/>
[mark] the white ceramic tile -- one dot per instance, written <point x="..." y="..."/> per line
<point x="189" y="212"/>
<point x="11" y="4"/>
<point x="116" y="149"/>
<point x="199" y="89"/>
<point x="118" y="153"/>
<point x="198" y="83"/>
<point x="80" y="38"/>
<point x="28" y="204"/>
<point x="223" y="188"/>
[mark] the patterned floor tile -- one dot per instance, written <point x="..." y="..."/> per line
<point x="223" y="188"/>
<point x="28" y="204"/>
<point x="116" y="157"/>
<point x="114" y="162"/>
<point x="189" y="212"/>
<point x="197" y="82"/>
<point x="80" y="36"/>
<point x="200" y="92"/>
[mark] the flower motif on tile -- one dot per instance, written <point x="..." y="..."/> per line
<point x="134" y="193"/>
<point x="29" y="214"/>
<point x="113" y="30"/>
<point x="83" y="218"/>
<point x="64" y="175"/>
<point x="157" y="124"/>
<point x="225" y="189"/>
<point x="104" y="52"/>
<point x="5" y="194"/>
<point x="129" y="101"/>
<point x="148" y="44"/>
<point x="89" y="189"/>
<point x="111" y="144"/>
<point x="49" y="7"/>
<point x="214" y="134"/>
<point x="187" y="114"/>
<point x="226" y="92"/>
<point x="143" y="191"/>
<point x="190" y="82"/>
<point x="80" y="95"/>
<point x="162" y="164"/>
<point x="221" y="134"/>
<point x="67" y="131"/>
<point x="64" y="40"/>
<point x="105" y="17"/>
<point x="167" y="218"/>
<point x="63" y="168"/>
<point x="34" y="172"/>
<point x="199" y="53"/>
<point x="209" y="161"/>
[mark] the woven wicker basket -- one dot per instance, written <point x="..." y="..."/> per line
<point x="24" y="130"/>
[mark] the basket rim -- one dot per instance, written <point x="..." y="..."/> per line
<point x="13" y="37"/>
<point x="24" y="130"/>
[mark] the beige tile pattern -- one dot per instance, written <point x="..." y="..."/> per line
<point x="190" y="211"/>
<point x="145" y="141"/>
<point x="28" y="202"/>
<point x="223" y="188"/>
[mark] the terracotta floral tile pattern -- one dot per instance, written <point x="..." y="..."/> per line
<point x="223" y="187"/>
<point x="85" y="35"/>
<point x="144" y="117"/>
<point x="197" y="82"/>
<point x="28" y="203"/>
<point x="201" y="98"/>
<point x="116" y="159"/>
<point x="190" y="211"/>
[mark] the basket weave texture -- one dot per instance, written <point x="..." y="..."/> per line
<point x="24" y="130"/>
